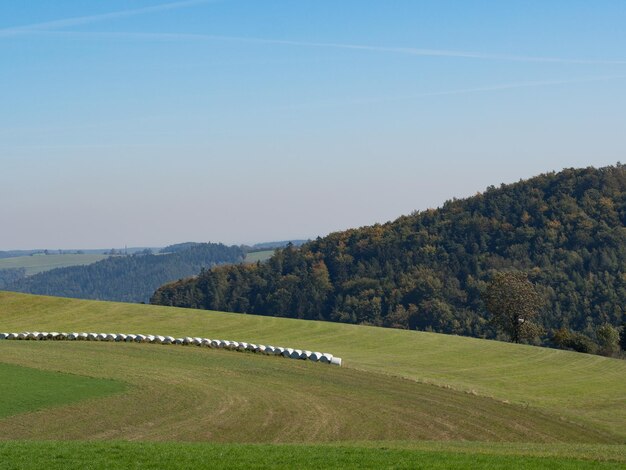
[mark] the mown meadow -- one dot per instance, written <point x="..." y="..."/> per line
<point x="409" y="396"/>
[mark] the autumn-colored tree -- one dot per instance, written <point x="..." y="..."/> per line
<point x="608" y="339"/>
<point x="513" y="303"/>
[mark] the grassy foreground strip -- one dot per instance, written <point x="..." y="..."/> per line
<point x="581" y="388"/>
<point x="23" y="389"/>
<point x="104" y="455"/>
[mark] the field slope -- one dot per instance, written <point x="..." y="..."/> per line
<point x="458" y="389"/>
<point x="53" y="389"/>
<point x="39" y="263"/>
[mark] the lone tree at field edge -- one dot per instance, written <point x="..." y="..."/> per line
<point x="513" y="303"/>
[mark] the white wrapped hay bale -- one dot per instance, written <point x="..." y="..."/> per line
<point x="295" y="354"/>
<point x="315" y="356"/>
<point x="291" y="353"/>
<point x="326" y="358"/>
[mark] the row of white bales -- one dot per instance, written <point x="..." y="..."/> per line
<point x="290" y="353"/>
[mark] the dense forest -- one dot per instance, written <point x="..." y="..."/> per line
<point x="11" y="275"/>
<point x="130" y="278"/>
<point x="427" y="270"/>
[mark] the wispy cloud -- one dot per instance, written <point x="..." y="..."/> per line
<point x="412" y="51"/>
<point x="457" y="91"/>
<point x="80" y="20"/>
<point x="529" y="84"/>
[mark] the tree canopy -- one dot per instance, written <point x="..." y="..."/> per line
<point x="513" y="303"/>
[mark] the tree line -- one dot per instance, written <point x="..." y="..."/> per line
<point x="429" y="270"/>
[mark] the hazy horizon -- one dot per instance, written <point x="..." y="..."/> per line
<point x="148" y="123"/>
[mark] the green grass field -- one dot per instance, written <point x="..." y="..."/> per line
<point x="40" y="263"/>
<point x="105" y="455"/>
<point x="255" y="256"/>
<point x="53" y="389"/>
<point x="395" y="386"/>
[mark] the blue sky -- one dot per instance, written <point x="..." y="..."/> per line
<point x="149" y="123"/>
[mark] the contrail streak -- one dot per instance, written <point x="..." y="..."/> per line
<point x="421" y="52"/>
<point x="79" y="20"/>
<point x="458" y="91"/>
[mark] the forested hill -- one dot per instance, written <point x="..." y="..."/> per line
<point x="128" y="278"/>
<point x="426" y="270"/>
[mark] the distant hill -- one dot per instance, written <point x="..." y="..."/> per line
<point x="11" y="275"/>
<point x="39" y="262"/>
<point x="273" y="245"/>
<point x="258" y="256"/>
<point x="426" y="271"/>
<point x="73" y="251"/>
<point x="179" y="247"/>
<point x="17" y="253"/>
<point x="131" y="278"/>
